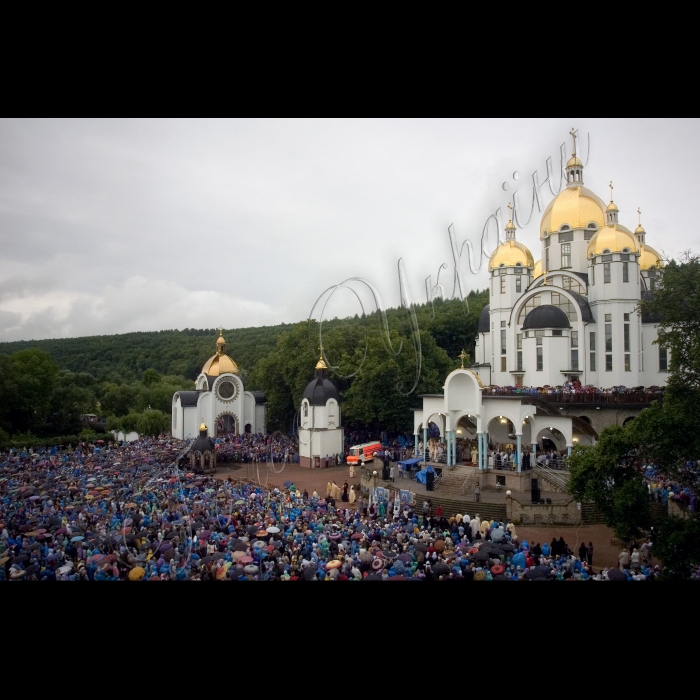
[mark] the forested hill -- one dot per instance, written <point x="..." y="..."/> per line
<point x="125" y="357"/>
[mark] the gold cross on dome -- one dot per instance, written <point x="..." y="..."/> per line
<point x="611" y="191"/>
<point x="221" y="330"/>
<point x="462" y="356"/>
<point x="573" y="138"/>
<point x="510" y="209"/>
<point x="639" y="211"/>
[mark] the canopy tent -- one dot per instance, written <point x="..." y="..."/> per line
<point x="404" y="463"/>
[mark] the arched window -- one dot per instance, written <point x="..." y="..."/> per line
<point x="567" y="306"/>
<point x="306" y="409"/>
<point x="530" y="304"/>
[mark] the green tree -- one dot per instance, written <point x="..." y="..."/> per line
<point x="608" y="475"/>
<point x="153" y="422"/>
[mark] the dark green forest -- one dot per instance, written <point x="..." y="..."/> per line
<point x="129" y="379"/>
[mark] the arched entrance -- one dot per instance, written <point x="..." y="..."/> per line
<point x="248" y="428"/>
<point x="226" y="424"/>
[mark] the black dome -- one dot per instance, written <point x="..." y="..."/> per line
<point x="202" y="444"/>
<point x="485" y="320"/>
<point x="320" y="389"/>
<point x="546" y="316"/>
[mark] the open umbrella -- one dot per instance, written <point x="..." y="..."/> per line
<point x="616" y="575"/>
<point x="373" y="577"/>
<point x="77" y="538"/>
<point x="309" y="573"/>
<point x="137" y="574"/>
<point x="440" y="569"/>
<point x="534" y="574"/>
<point x="482" y="555"/>
<point x="245" y="560"/>
<point x="250" y="569"/>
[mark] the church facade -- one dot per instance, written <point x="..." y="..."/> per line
<point x="559" y="325"/>
<point x="219" y="400"/>
<point x="572" y="314"/>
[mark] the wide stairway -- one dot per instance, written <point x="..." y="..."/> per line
<point x="556" y="479"/>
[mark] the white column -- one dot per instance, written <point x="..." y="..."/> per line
<point x="520" y="452"/>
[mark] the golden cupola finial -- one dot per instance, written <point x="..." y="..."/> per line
<point x="203" y="428"/>
<point x="510" y="226"/>
<point x="640" y="232"/>
<point x="574" y="168"/>
<point x="611" y="211"/>
<point x="220" y="343"/>
<point x="321" y="364"/>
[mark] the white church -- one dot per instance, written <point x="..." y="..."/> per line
<point x="569" y="317"/>
<point x="219" y="401"/>
<point x="320" y="432"/>
<point x="572" y="314"/>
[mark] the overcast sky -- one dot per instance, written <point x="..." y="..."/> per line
<point x="113" y="226"/>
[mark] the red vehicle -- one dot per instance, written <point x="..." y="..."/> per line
<point x="359" y="454"/>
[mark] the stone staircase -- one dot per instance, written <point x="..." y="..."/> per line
<point x="557" y="479"/>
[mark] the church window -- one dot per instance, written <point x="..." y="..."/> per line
<point x="503" y="285"/>
<point x="539" y="335"/>
<point x="557" y="333"/>
<point x="566" y="237"/>
<point x="572" y="285"/>
<point x="608" y="345"/>
<point x="574" y="359"/>
<point x="520" y="361"/>
<point x="518" y="283"/>
<point x="520" y="341"/>
<point x="540" y="363"/>
<point x="589" y="232"/>
<point x="503" y="364"/>
<point x="567" y="306"/>
<point x="592" y="362"/>
<point x="566" y="255"/>
<point x="592" y="275"/>
<point x="530" y="304"/>
<point x="663" y="359"/>
<point x="547" y="241"/>
<point x="503" y="341"/>
<point x="574" y="339"/>
<point x="625" y="272"/>
<point x="546" y="260"/>
<point x="306" y="409"/>
<point x="606" y="272"/>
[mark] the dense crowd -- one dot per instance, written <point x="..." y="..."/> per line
<point x="661" y="488"/>
<point x="130" y="513"/>
<point x="574" y="392"/>
<point x="251" y="448"/>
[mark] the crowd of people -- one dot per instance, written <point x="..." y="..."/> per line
<point x="662" y="489"/>
<point x="110" y="512"/>
<point x="250" y="448"/>
<point x="575" y="392"/>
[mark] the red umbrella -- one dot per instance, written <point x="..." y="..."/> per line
<point x="245" y="560"/>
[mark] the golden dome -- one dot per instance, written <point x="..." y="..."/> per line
<point x="573" y="162"/>
<point x="321" y="363"/>
<point x="612" y="206"/>
<point x="510" y="226"/>
<point x="203" y="427"/>
<point x="639" y="229"/>
<point x="648" y="257"/>
<point x="509" y="254"/>
<point x="613" y="238"/>
<point x="575" y="206"/>
<point x="220" y="363"/>
<point x="538" y="270"/>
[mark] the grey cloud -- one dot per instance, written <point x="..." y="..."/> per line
<point x="271" y="212"/>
